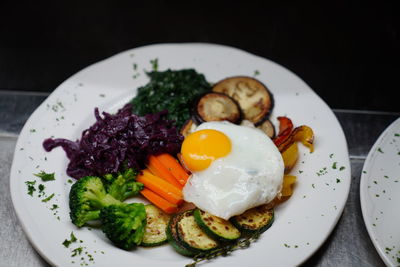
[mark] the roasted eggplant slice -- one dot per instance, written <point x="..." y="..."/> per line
<point x="188" y="127"/>
<point x="268" y="128"/>
<point x="254" y="98"/>
<point x="217" y="107"/>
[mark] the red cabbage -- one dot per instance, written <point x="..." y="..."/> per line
<point x="118" y="140"/>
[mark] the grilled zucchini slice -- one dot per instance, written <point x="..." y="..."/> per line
<point x="216" y="107"/>
<point x="172" y="236"/>
<point x="191" y="236"/>
<point x="157" y="222"/>
<point x="254" y="98"/>
<point x="257" y="219"/>
<point x="216" y="227"/>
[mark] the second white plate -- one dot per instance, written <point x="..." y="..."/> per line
<point x="380" y="194"/>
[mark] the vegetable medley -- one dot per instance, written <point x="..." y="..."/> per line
<point x="136" y="153"/>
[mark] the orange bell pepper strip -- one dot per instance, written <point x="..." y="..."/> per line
<point x="303" y="134"/>
<point x="285" y="128"/>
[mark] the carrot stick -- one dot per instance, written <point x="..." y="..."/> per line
<point x="173" y="167"/>
<point x="160" y="202"/>
<point x="159" y="170"/>
<point x="161" y="187"/>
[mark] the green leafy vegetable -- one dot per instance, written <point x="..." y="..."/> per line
<point x="170" y="90"/>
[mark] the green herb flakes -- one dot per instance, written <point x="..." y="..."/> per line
<point x="334" y="165"/>
<point x="45" y="176"/>
<point x="47" y="199"/>
<point x="72" y="239"/>
<point x="31" y="187"/>
<point x="77" y="251"/>
<point x="154" y="64"/>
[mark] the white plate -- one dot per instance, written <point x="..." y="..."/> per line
<point x="302" y="224"/>
<point x="380" y="194"/>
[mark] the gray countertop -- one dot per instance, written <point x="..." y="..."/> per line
<point x="348" y="244"/>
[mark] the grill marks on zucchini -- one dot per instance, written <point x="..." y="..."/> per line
<point x="254" y="98"/>
<point x="257" y="219"/>
<point x="173" y="239"/>
<point x="157" y="222"/>
<point x="192" y="236"/>
<point x="187" y="234"/>
<point x="216" y="227"/>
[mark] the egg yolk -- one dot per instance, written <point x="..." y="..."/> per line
<point x="202" y="147"/>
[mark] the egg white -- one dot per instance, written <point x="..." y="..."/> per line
<point x="249" y="176"/>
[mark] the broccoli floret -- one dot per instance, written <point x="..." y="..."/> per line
<point x="124" y="224"/>
<point x="86" y="198"/>
<point x="123" y="184"/>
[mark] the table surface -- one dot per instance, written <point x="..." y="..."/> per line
<point x="348" y="244"/>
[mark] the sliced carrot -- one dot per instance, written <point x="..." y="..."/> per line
<point x="160" y="202"/>
<point x="161" y="171"/>
<point x="163" y="188"/>
<point x="173" y="167"/>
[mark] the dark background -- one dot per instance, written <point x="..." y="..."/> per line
<point x="347" y="51"/>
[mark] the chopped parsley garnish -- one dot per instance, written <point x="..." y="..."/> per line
<point x="47" y="199"/>
<point x="337" y="180"/>
<point x="322" y="171"/>
<point x="334" y="165"/>
<point x="380" y="150"/>
<point x="45" y="176"/>
<point x="72" y="239"/>
<point x="31" y="187"/>
<point x="41" y="188"/>
<point x="77" y="251"/>
<point x="154" y="64"/>
<point x="342" y="168"/>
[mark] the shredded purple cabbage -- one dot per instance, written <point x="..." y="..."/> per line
<point x="116" y="140"/>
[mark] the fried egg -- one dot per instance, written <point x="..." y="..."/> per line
<point x="234" y="168"/>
